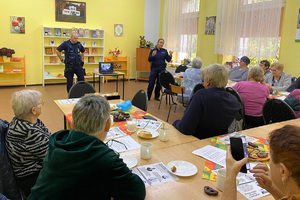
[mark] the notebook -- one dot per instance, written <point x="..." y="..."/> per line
<point x="106" y="68"/>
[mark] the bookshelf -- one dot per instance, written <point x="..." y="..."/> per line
<point x="91" y="39"/>
<point x="13" y="72"/>
<point x="121" y="65"/>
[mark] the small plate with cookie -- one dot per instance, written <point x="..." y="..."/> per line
<point x="257" y="153"/>
<point x="182" y="168"/>
<point x="147" y="134"/>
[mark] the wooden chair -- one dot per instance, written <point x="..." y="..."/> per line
<point x="176" y="90"/>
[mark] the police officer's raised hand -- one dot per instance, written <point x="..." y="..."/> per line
<point x="154" y="53"/>
<point x="171" y="53"/>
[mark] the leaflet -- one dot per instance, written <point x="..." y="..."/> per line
<point x="154" y="174"/>
<point x="68" y="101"/>
<point x="123" y="144"/>
<point x="236" y="134"/>
<point x="213" y="154"/>
<point x="148" y="124"/>
<point x="114" y="132"/>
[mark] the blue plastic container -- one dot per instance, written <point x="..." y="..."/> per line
<point x="124" y="105"/>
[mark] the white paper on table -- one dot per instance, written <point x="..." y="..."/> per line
<point x="213" y="154"/>
<point x="114" y="132"/>
<point x="154" y="174"/>
<point x="236" y="134"/>
<point x="285" y="93"/>
<point x="252" y="190"/>
<point x="148" y="124"/>
<point x="68" y="101"/>
<point x="128" y="141"/>
<point x="281" y="98"/>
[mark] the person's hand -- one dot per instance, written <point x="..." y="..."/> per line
<point x="261" y="174"/>
<point x="170" y="53"/>
<point x="262" y="80"/>
<point x="154" y="53"/>
<point x="232" y="166"/>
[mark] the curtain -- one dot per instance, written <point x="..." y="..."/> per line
<point x="180" y="22"/>
<point x="248" y="27"/>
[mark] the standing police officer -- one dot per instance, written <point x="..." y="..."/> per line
<point x="158" y="57"/>
<point x="73" y="60"/>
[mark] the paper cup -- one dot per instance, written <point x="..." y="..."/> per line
<point x="146" y="150"/>
<point x="221" y="176"/>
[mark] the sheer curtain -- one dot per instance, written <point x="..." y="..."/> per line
<point x="180" y="22"/>
<point x="248" y="27"/>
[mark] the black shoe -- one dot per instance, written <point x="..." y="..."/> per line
<point x="157" y="99"/>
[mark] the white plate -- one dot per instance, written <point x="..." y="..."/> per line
<point x="183" y="168"/>
<point x="130" y="161"/>
<point x="113" y="106"/>
<point x="153" y="132"/>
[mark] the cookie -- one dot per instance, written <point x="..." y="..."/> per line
<point x="252" y="145"/>
<point x="145" y="134"/>
<point x="173" y="169"/>
<point x="210" y="191"/>
<point x="262" y="154"/>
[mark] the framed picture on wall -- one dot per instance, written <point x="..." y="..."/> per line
<point x="210" y="25"/>
<point x="118" y="30"/>
<point x="17" y="24"/>
<point x="298" y="28"/>
<point x="70" y="11"/>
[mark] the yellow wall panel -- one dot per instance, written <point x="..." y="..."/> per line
<point x="99" y="14"/>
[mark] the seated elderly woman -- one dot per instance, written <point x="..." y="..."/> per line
<point x="27" y="138"/>
<point x="191" y="77"/>
<point x="240" y="73"/>
<point x="265" y="65"/>
<point x="254" y="95"/>
<point x="278" y="80"/>
<point x="80" y="166"/>
<point x="293" y="99"/>
<point x="210" y="111"/>
<point x="282" y="179"/>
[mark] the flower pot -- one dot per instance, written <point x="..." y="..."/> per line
<point x="116" y="57"/>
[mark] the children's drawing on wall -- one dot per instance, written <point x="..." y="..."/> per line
<point x="210" y="25"/>
<point x="298" y="28"/>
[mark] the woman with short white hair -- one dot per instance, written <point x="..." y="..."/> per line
<point x="191" y="77"/>
<point x="278" y="80"/>
<point x="27" y="138"/>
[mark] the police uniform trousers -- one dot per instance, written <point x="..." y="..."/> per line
<point x="69" y="74"/>
<point x="154" y="76"/>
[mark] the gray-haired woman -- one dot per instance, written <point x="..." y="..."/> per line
<point x="27" y="138"/>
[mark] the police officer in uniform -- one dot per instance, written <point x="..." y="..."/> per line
<point x="158" y="57"/>
<point x="73" y="60"/>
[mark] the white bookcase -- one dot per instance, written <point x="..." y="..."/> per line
<point x="53" y="69"/>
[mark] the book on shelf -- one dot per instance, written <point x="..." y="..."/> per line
<point x="94" y="43"/>
<point x="91" y="59"/>
<point x="52" y="42"/>
<point x="1" y="68"/>
<point x="66" y="33"/>
<point x="86" y="51"/>
<point x="86" y="32"/>
<point x="53" y="59"/>
<point x="57" y="31"/>
<point x="83" y="42"/>
<point x="98" y="32"/>
<point x="47" y="32"/>
<point x="94" y="51"/>
<point x="54" y="50"/>
<point x="48" y="50"/>
<point x="94" y="34"/>
<point x="80" y="32"/>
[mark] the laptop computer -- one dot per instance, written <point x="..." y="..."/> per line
<point x="106" y="68"/>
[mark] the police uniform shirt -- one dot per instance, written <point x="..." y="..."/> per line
<point x="69" y="47"/>
<point x="159" y="59"/>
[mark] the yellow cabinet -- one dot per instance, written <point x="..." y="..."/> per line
<point x="13" y="71"/>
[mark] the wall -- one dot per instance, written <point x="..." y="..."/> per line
<point x="152" y="20"/>
<point x="289" y="49"/>
<point x="206" y="43"/>
<point x="100" y="14"/>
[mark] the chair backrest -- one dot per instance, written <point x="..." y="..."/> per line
<point x="180" y="68"/>
<point x="81" y="88"/>
<point x="178" y="90"/>
<point x="140" y="100"/>
<point x="8" y="184"/>
<point x="295" y="85"/>
<point x="198" y="87"/>
<point x="276" y="110"/>
<point x="237" y="95"/>
<point x="165" y="79"/>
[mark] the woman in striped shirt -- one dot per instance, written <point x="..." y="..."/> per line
<point x="27" y="138"/>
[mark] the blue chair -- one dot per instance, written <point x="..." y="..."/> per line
<point x="8" y="184"/>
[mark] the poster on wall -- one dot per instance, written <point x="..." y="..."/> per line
<point x="70" y="11"/>
<point x="210" y="25"/>
<point x="17" y="24"/>
<point x="298" y="28"/>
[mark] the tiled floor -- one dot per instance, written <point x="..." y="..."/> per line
<point x="52" y="116"/>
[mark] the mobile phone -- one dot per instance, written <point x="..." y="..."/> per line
<point x="149" y="117"/>
<point x="239" y="150"/>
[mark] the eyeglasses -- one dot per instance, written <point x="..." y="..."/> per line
<point x="109" y="143"/>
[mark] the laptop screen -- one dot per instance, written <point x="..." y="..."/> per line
<point x="106" y="67"/>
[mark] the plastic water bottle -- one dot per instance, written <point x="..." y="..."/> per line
<point x="124" y="105"/>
